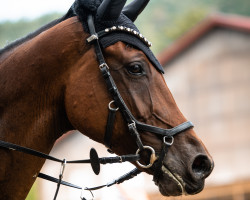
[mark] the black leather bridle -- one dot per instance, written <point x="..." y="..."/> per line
<point x="134" y="125"/>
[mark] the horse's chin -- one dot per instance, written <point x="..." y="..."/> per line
<point x="171" y="184"/>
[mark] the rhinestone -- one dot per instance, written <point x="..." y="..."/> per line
<point x="107" y="30"/>
<point x="140" y="35"/>
<point x="135" y="33"/>
<point x="121" y="27"/>
<point x="113" y="28"/>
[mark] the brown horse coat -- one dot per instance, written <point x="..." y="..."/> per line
<point x="51" y="84"/>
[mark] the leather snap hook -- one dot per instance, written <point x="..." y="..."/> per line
<point x="153" y="157"/>
<point x="110" y="107"/>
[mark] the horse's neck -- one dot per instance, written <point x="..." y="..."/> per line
<point x="32" y="83"/>
<point x="32" y="113"/>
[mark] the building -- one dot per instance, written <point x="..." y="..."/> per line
<point x="208" y="72"/>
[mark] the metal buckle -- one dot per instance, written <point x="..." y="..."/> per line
<point x="103" y="65"/>
<point x="169" y="143"/>
<point x="120" y="159"/>
<point x="132" y="125"/>
<point x="153" y="157"/>
<point x="92" y="38"/>
<point x="112" y="109"/>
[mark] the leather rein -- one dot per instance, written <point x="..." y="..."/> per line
<point x="134" y="127"/>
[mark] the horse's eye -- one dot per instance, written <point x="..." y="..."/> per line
<point x="135" y="69"/>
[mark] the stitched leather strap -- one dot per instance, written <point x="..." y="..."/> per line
<point x="164" y="132"/>
<point x="109" y="128"/>
<point x="92" y="31"/>
<point x="55" y="180"/>
<point x="159" y="163"/>
<point x="121" y="179"/>
<point x="26" y="150"/>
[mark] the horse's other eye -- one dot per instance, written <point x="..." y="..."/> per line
<point x="136" y="69"/>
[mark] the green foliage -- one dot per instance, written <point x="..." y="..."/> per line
<point x="10" y="31"/>
<point x="166" y="20"/>
<point x="33" y="193"/>
<point x="184" y="22"/>
<point x="241" y="7"/>
<point x="162" y="22"/>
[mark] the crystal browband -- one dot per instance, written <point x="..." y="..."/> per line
<point x="123" y="29"/>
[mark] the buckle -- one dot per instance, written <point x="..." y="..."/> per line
<point x="101" y="66"/>
<point x="92" y="38"/>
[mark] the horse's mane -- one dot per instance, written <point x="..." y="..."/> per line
<point x="35" y="33"/>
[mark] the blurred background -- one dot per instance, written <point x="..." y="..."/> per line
<point x="204" y="46"/>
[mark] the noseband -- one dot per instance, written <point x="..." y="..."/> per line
<point x="134" y="125"/>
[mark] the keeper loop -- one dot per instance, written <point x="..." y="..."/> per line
<point x="103" y="65"/>
<point x="92" y="38"/>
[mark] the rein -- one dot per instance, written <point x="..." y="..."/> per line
<point x="134" y="127"/>
<point x="94" y="161"/>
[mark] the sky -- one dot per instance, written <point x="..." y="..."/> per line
<point x="17" y="9"/>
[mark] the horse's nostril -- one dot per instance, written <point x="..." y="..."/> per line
<point x="202" y="166"/>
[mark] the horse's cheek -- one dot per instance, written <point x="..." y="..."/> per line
<point x="84" y="105"/>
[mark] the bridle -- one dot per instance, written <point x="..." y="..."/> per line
<point x="134" y="127"/>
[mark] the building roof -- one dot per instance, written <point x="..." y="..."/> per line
<point x="225" y="21"/>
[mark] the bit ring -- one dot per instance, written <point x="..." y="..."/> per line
<point x="153" y="157"/>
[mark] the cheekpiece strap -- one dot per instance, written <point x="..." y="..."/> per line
<point x="110" y="126"/>
<point x="94" y="37"/>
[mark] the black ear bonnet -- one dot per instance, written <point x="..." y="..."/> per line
<point x="114" y="22"/>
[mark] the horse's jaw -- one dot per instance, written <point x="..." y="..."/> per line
<point x="171" y="184"/>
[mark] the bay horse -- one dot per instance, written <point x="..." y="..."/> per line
<point x="50" y="84"/>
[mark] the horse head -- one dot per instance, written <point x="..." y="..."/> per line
<point x="143" y="97"/>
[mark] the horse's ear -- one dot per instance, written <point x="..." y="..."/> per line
<point x="134" y="9"/>
<point x="110" y="9"/>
